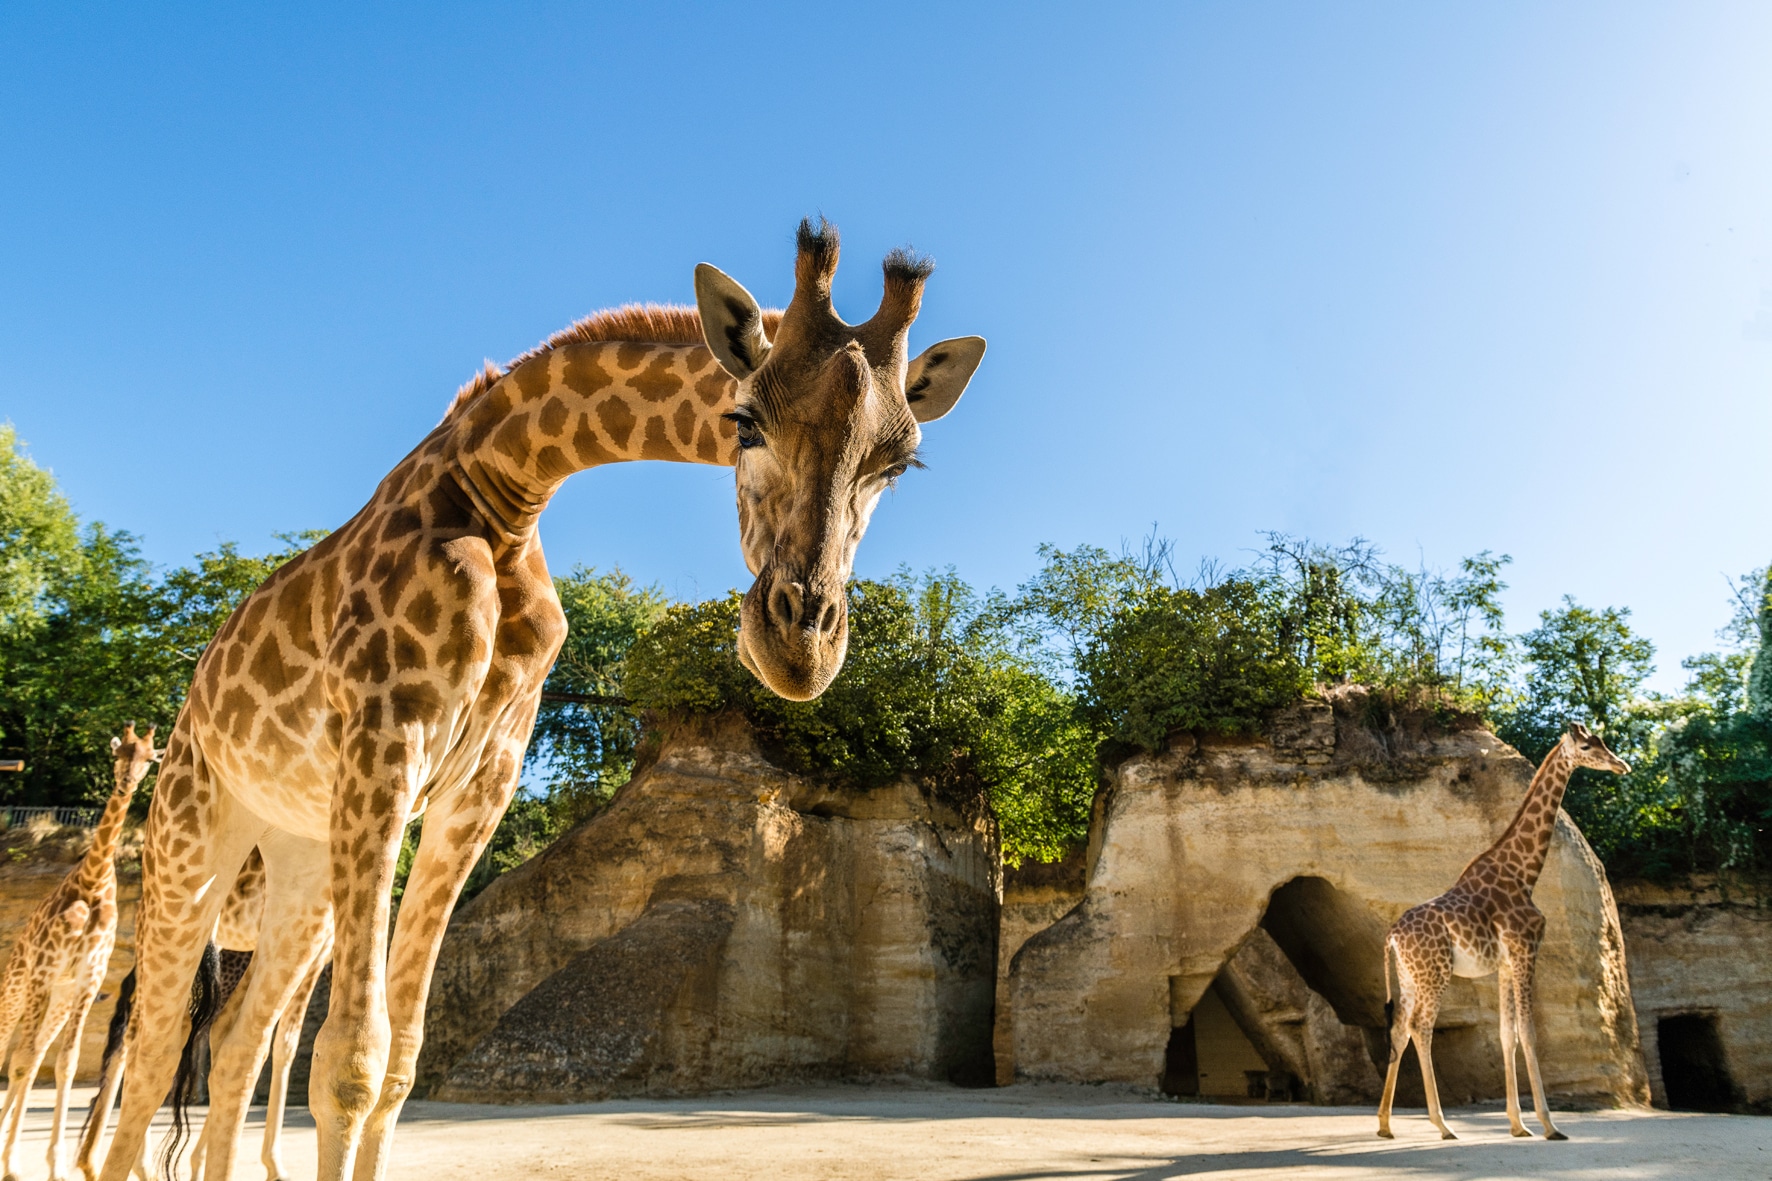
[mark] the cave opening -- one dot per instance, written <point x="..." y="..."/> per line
<point x="1694" y="1071"/>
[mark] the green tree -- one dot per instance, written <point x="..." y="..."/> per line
<point x="39" y="537"/>
<point x="586" y="733"/>
<point x="1582" y="666"/>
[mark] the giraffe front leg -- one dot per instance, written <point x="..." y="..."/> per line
<point x="289" y="1026"/>
<point x="67" y="1062"/>
<point x="371" y="803"/>
<point x="297" y="904"/>
<point x="451" y="845"/>
<point x="1509" y="1026"/>
<point x="1523" y="997"/>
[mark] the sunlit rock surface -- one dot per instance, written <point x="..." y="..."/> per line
<point x="1313" y="840"/>
<point x="725" y="924"/>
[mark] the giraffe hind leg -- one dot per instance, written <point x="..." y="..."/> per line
<point x="1509" y="1039"/>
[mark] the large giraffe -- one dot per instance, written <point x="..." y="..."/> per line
<point x="1486" y="923"/>
<point x="59" y="961"/>
<point x="399" y="662"/>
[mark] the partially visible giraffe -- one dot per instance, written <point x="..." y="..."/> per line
<point x="236" y="936"/>
<point x="399" y="662"/>
<point x="1486" y="923"/>
<point x="59" y="961"/>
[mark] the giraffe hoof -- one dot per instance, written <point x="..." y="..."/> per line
<point x="1447" y="1136"/>
<point x="1555" y="1136"/>
<point x="1518" y="1132"/>
<point x="1385" y="1134"/>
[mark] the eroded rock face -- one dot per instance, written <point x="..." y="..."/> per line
<point x="1701" y="973"/>
<point x="1319" y="836"/>
<point x="724" y="924"/>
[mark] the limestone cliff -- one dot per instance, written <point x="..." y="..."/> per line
<point x="724" y="923"/>
<point x="1313" y="840"/>
<point x="1701" y="973"/>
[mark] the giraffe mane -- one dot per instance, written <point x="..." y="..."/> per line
<point x="634" y="323"/>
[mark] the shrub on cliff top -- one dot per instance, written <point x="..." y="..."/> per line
<point x="1211" y="660"/>
<point x="930" y="690"/>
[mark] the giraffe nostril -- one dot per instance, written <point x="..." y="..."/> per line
<point x="827" y="618"/>
<point x="786" y="604"/>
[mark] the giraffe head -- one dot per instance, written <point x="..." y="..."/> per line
<point x="828" y="417"/>
<point x="130" y="756"/>
<point x="1584" y="748"/>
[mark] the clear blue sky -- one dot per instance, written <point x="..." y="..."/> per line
<point x="1453" y="277"/>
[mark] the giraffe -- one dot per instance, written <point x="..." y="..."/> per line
<point x="58" y="964"/>
<point x="236" y="936"/>
<point x="399" y="662"/>
<point x="1486" y="923"/>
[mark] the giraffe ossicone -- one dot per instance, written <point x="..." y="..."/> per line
<point x="398" y="664"/>
<point x="1486" y="923"/>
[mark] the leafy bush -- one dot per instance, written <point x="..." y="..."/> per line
<point x="1211" y="660"/>
<point x="930" y="690"/>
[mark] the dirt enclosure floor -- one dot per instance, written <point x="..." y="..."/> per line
<point x="1023" y="1133"/>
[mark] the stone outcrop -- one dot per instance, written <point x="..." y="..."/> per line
<point x="724" y="923"/>
<point x="1269" y="864"/>
<point x="1700" y="975"/>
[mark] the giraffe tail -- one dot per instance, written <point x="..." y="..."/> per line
<point x="113" y="1044"/>
<point x="1390" y="1006"/>
<point x="206" y="998"/>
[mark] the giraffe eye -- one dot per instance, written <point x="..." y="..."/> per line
<point x="896" y="470"/>
<point x="749" y="433"/>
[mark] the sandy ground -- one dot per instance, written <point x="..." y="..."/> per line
<point x="1024" y="1133"/>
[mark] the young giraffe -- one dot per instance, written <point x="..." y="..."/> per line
<point x="236" y="934"/>
<point x="1486" y="923"/>
<point x="400" y="661"/>
<point x="58" y="964"/>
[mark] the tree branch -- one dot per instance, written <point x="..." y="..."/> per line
<point x="602" y="699"/>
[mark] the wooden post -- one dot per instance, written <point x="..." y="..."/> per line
<point x="12" y="764"/>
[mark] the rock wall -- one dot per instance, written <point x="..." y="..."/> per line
<point x="1319" y="836"/>
<point x="1701" y="969"/>
<point x="33" y="861"/>
<point x="724" y="924"/>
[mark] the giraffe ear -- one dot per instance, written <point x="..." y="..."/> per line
<point x="731" y="321"/>
<point x="937" y="377"/>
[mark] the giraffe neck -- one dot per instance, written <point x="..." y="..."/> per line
<point x="582" y="405"/>
<point x="99" y="863"/>
<point x="1522" y="847"/>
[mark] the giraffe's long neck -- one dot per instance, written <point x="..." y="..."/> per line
<point x="1526" y="841"/>
<point x="582" y="405"/>
<point x="99" y="863"/>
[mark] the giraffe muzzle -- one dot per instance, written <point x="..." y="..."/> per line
<point x="792" y="638"/>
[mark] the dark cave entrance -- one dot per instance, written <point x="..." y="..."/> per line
<point x="1694" y="1071"/>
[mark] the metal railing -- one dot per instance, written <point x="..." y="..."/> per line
<point x="72" y="817"/>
